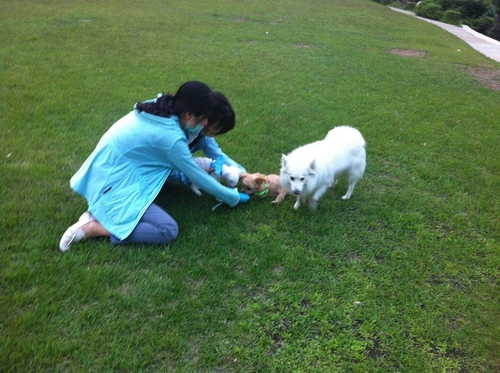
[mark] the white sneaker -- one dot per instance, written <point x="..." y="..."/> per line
<point x="75" y="233"/>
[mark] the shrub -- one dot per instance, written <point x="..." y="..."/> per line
<point x="495" y="33"/>
<point x="384" y="2"/>
<point x="484" y="25"/>
<point x="449" y="4"/>
<point x="410" y="6"/>
<point x="452" y="17"/>
<point x="474" y="9"/>
<point x="430" y="10"/>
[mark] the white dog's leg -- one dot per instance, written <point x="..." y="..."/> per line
<point x="319" y="193"/>
<point x="354" y="175"/>
<point x="313" y="202"/>
<point x="350" y="188"/>
<point x="297" y="204"/>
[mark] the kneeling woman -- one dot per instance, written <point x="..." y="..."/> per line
<point x="132" y="161"/>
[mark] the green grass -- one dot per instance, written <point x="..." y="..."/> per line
<point x="404" y="277"/>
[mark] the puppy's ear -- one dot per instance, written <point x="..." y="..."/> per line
<point x="260" y="181"/>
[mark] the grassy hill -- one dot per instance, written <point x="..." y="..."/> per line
<point x="404" y="277"/>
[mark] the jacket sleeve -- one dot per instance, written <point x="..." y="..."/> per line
<point x="212" y="150"/>
<point x="177" y="177"/>
<point x="182" y="161"/>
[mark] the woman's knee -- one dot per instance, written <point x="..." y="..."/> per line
<point x="169" y="231"/>
<point x="146" y="233"/>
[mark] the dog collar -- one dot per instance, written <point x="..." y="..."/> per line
<point x="263" y="192"/>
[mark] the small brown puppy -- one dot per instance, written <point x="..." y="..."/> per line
<point x="262" y="186"/>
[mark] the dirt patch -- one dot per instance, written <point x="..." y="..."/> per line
<point x="409" y="53"/>
<point x="487" y="78"/>
<point x="302" y="46"/>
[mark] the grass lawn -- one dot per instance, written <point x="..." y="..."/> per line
<point x="404" y="277"/>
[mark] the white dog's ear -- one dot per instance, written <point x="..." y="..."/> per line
<point x="312" y="166"/>
<point x="283" y="160"/>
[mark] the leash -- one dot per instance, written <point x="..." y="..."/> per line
<point x="217" y="205"/>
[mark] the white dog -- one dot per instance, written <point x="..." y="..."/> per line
<point x="231" y="174"/>
<point x="310" y="170"/>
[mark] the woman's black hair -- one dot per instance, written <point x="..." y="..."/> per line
<point x="222" y="119"/>
<point x="195" y="97"/>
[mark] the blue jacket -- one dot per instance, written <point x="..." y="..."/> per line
<point x="129" y="166"/>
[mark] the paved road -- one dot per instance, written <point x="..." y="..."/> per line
<point x="483" y="44"/>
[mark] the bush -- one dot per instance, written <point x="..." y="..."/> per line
<point x="474" y="9"/>
<point x="484" y="25"/>
<point x="452" y="17"/>
<point x="384" y="2"/>
<point x="430" y="10"/>
<point x="495" y="33"/>
<point x="410" y="6"/>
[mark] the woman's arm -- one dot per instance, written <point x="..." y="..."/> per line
<point x="182" y="160"/>
<point x="212" y="150"/>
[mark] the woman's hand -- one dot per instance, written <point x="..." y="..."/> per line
<point x="244" y="198"/>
